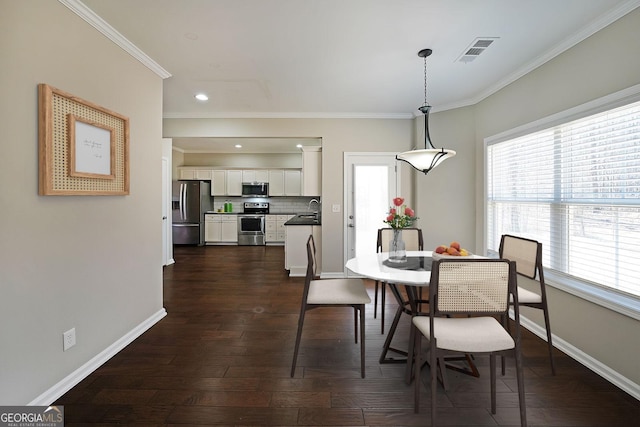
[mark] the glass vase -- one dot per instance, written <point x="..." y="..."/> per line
<point x="397" y="252"/>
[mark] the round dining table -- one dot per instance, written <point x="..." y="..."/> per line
<point x="414" y="276"/>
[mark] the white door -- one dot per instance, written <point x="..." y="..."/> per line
<point x="371" y="183"/>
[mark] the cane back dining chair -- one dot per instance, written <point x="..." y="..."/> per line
<point x="527" y="255"/>
<point x="317" y="293"/>
<point x="465" y="298"/>
<point x="412" y="238"/>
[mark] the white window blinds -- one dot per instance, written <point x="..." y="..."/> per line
<point x="575" y="188"/>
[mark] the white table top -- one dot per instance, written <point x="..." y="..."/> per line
<point x="371" y="266"/>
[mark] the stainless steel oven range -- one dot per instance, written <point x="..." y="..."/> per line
<point x="251" y="224"/>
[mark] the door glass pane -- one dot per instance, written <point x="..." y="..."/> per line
<point x="371" y="204"/>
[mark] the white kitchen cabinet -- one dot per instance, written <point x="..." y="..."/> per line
<point x="275" y="229"/>
<point x="255" y="175"/>
<point x="220" y="228"/>
<point x="262" y="175"/>
<point x="276" y="182"/>
<point x="249" y="175"/>
<point x="212" y="228"/>
<point x="234" y="183"/>
<point x="312" y="171"/>
<point x="295" y="248"/>
<point x="194" y="174"/>
<point x="229" y="232"/>
<point x="280" y="228"/>
<point x="218" y="183"/>
<point x="292" y="182"/>
<point x="186" y="173"/>
<point x="270" y="225"/>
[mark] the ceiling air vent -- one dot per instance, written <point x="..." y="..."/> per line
<point x="474" y="50"/>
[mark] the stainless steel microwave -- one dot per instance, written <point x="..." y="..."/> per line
<point x="255" y="189"/>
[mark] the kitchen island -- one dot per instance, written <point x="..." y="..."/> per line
<point x="297" y="231"/>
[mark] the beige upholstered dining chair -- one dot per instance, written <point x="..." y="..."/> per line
<point x="465" y="296"/>
<point x="412" y="238"/>
<point x="331" y="293"/>
<point x="527" y="255"/>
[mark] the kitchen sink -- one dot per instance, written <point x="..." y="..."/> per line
<point x="314" y="216"/>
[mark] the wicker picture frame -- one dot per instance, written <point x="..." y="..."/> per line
<point x="83" y="148"/>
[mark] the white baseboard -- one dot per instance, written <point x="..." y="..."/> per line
<point x="595" y="365"/>
<point x="71" y="380"/>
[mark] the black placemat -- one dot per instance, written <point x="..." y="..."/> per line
<point x="413" y="263"/>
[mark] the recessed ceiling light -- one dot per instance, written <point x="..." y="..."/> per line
<point x="238" y="146"/>
<point x="202" y="97"/>
<point x="299" y="146"/>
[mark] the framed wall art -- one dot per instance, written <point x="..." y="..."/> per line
<point x="83" y="148"/>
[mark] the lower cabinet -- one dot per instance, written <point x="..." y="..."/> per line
<point x="274" y="228"/>
<point x="220" y="228"/>
<point x="295" y="248"/>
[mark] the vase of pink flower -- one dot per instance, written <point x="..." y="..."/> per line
<point x="400" y="216"/>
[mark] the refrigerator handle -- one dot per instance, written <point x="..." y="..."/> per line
<point x="183" y="208"/>
<point x="180" y="201"/>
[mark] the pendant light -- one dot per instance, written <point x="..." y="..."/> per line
<point x="428" y="158"/>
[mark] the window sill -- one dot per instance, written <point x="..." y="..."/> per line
<point x="623" y="304"/>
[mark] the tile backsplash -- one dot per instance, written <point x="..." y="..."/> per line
<point x="276" y="204"/>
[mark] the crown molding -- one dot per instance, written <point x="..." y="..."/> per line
<point x="257" y="115"/>
<point x="80" y="9"/>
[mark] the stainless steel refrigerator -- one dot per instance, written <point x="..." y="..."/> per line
<point x="190" y="201"/>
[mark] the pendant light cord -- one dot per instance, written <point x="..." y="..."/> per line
<point x="425" y="81"/>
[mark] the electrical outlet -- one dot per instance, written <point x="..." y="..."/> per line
<point x="68" y="339"/>
<point x="335" y="208"/>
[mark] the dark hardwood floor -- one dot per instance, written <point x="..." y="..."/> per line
<point x="222" y="356"/>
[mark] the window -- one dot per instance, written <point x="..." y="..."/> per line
<point x="575" y="187"/>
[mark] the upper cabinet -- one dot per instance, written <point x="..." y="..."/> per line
<point x="218" y="183"/>
<point x="255" y="175"/>
<point x="234" y="183"/>
<point x="282" y="182"/>
<point x="276" y="182"/>
<point x="312" y="171"/>
<point x="292" y="182"/>
<point x="195" y="173"/>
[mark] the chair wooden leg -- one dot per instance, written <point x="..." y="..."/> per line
<point x="505" y="323"/>
<point x="410" y="356"/>
<point x="492" y="372"/>
<point x="375" y="300"/>
<point x="549" y="343"/>
<point x="434" y="378"/>
<point x="362" y="340"/>
<point x="297" y="346"/>
<point x="383" y="299"/>
<point x="416" y="352"/>
<point x="355" y="322"/>
<point x="520" y="378"/>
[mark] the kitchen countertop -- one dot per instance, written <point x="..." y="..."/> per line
<point x="304" y="219"/>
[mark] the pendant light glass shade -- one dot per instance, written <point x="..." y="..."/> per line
<point x="429" y="157"/>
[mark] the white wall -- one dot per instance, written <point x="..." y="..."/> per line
<point x="89" y="262"/>
<point x="446" y="195"/>
<point x="604" y="63"/>
<point x="338" y="136"/>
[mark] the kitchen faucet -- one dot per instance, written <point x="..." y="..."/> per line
<point x="312" y="201"/>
